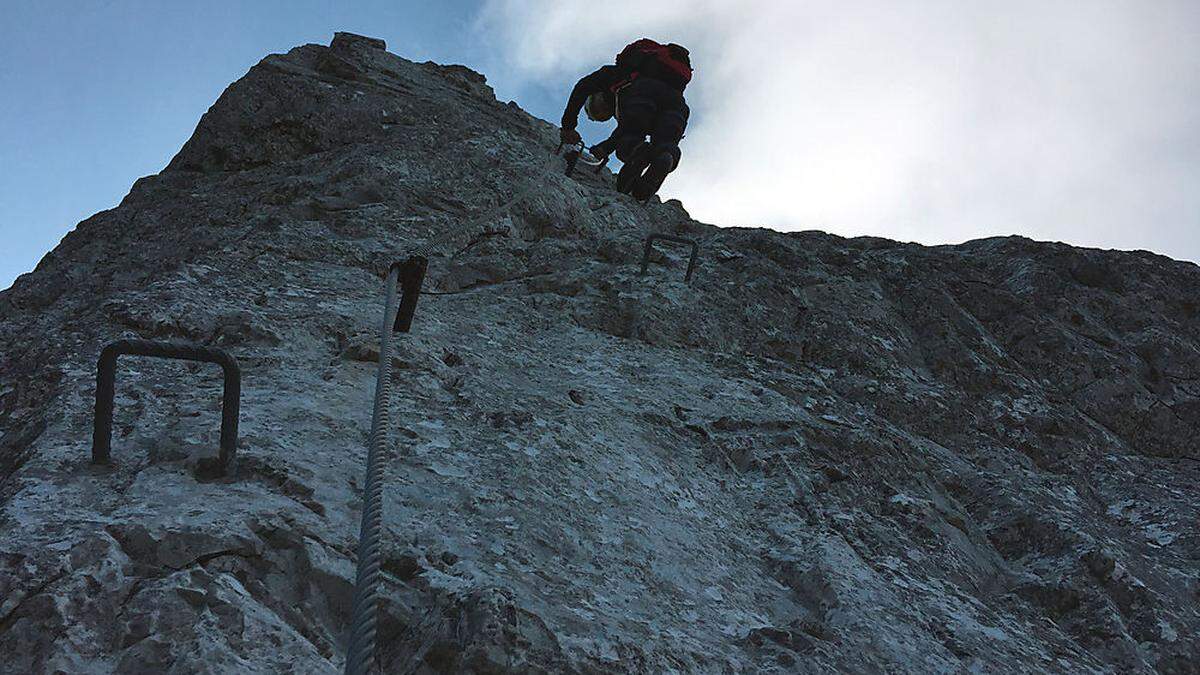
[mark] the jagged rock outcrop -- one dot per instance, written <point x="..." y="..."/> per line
<point x="823" y="454"/>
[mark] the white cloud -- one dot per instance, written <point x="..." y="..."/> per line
<point x="939" y="121"/>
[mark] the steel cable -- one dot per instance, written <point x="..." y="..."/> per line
<point x="360" y="656"/>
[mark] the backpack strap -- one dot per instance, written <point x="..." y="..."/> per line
<point x="623" y="82"/>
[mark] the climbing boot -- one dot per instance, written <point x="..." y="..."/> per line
<point x="649" y="182"/>
<point x="638" y="159"/>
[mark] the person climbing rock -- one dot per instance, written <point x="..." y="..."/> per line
<point x="644" y="91"/>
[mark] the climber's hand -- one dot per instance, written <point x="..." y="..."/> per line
<point x="569" y="136"/>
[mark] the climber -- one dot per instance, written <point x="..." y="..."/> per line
<point x="644" y="91"/>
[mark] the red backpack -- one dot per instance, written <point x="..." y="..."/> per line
<point x="670" y="63"/>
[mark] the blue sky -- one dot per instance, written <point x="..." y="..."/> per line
<point x="98" y="94"/>
<point x="935" y="121"/>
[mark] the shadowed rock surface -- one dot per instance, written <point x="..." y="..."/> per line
<point x="824" y="453"/>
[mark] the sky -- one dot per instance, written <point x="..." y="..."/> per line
<point x="934" y="121"/>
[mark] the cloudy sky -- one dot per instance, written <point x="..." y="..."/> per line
<point x="936" y="121"/>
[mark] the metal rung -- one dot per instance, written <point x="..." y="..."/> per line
<point x="687" y="278"/>
<point x="106" y="375"/>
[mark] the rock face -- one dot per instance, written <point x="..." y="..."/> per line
<point x="822" y="454"/>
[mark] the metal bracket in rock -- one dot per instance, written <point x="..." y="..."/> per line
<point x="412" y="274"/>
<point x="106" y="373"/>
<point x="687" y="278"/>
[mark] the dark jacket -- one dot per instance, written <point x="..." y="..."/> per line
<point x="607" y="80"/>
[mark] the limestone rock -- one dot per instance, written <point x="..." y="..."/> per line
<point x="823" y="454"/>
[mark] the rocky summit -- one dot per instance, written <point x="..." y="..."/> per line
<point x="821" y="454"/>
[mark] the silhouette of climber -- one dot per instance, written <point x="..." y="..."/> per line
<point x="644" y="91"/>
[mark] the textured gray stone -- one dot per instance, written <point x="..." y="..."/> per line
<point x="823" y="454"/>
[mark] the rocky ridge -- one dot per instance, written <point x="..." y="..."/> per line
<point x="823" y="453"/>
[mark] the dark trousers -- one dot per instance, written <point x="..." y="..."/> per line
<point x="649" y="107"/>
